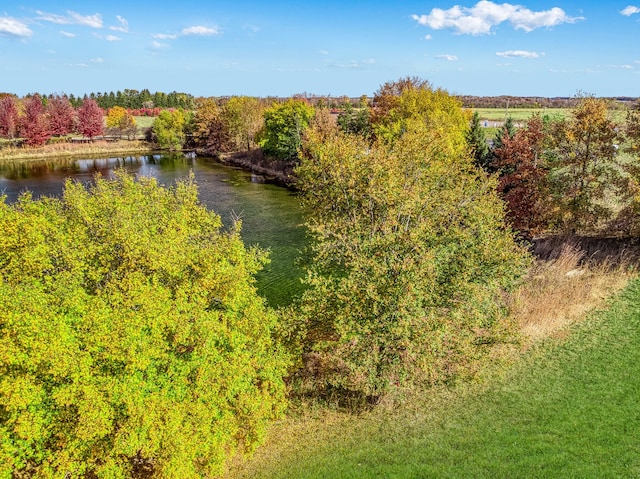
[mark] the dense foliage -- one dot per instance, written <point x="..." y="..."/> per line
<point x="132" y="340"/>
<point x="169" y="129"/>
<point x="120" y="122"/>
<point x="90" y="119"/>
<point x="411" y="253"/>
<point x="284" y="126"/>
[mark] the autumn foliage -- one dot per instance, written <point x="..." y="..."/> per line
<point x="522" y="177"/>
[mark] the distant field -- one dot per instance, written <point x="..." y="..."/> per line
<point x="518" y="114"/>
<point x="523" y="114"/>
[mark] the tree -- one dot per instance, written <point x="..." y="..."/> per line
<point x="628" y="219"/>
<point x="416" y="104"/>
<point x="387" y="96"/>
<point x="284" y="126"/>
<point x="355" y="121"/>
<point x="62" y="115"/>
<point x="132" y="340"/>
<point x="585" y="167"/>
<point x="210" y="130"/>
<point x="35" y="122"/>
<point x="507" y="130"/>
<point x="477" y="142"/>
<point x="90" y="119"/>
<point x="523" y="178"/>
<point x="9" y="119"/>
<point x="244" y="118"/>
<point x="121" y="122"/>
<point x="411" y="258"/>
<point x="168" y="129"/>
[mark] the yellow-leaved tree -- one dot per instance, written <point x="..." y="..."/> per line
<point x="412" y="255"/>
<point x="132" y="340"/>
<point x="121" y="122"/>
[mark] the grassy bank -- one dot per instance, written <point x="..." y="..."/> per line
<point x="566" y="407"/>
<point x="10" y="153"/>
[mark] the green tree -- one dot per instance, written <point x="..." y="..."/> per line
<point x="132" y="340"/>
<point x="507" y="130"/>
<point x="355" y="120"/>
<point x="477" y="142"/>
<point x="411" y="258"/>
<point x="244" y="118"/>
<point x="168" y="129"/>
<point x="284" y="126"/>
<point x="585" y="170"/>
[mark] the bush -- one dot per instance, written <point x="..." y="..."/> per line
<point x="132" y="340"/>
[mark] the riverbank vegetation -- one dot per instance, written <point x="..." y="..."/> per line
<point x="432" y="268"/>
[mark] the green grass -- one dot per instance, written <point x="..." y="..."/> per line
<point x="518" y="114"/>
<point x="143" y="122"/>
<point x="569" y="408"/>
<point x="523" y="114"/>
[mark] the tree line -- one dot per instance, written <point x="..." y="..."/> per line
<point x="36" y="119"/>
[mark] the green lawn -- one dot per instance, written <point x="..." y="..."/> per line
<point x="570" y="408"/>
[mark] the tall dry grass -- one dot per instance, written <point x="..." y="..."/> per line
<point x="12" y="153"/>
<point x="571" y="277"/>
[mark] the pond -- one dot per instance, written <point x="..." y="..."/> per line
<point x="271" y="215"/>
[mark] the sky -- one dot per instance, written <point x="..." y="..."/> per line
<point x="282" y="48"/>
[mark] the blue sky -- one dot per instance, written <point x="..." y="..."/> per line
<point x="281" y="48"/>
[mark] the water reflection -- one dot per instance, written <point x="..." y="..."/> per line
<point x="271" y="216"/>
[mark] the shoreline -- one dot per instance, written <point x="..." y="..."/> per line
<point x="277" y="171"/>
<point x="10" y="155"/>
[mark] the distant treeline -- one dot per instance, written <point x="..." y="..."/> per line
<point x="134" y="99"/>
<point x="536" y="101"/>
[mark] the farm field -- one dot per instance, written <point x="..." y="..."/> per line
<point x="568" y="409"/>
<point x="521" y="115"/>
<point x="518" y="114"/>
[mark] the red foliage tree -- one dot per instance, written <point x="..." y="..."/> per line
<point x="8" y="116"/>
<point x="523" y="177"/>
<point x="90" y="119"/>
<point x="35" y="123"/>
<point x="62" y="115"/>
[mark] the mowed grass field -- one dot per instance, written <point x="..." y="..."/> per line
<point x="569" y="408"/>
<point x="521" y="115"/>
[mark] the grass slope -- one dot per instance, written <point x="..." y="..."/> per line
<point x="570" y="408"/>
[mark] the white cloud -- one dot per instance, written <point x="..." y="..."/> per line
<point x="481" y="18"/>
<point x="199" y="30"/>
<point x="97" y="60"/>
<point x="112" y="38"/>
<point x="427" y="37"/>
<point x="165" y="36"/>
<point x="630" y="10"/>
<point x="158" y="45"/>
<point x="10" y="27"/>
<point x="188" y="31"/>
<point x="450" y="58"/>
<point x="623" y="67"/>
<point x="72" y="18"/>
<point x="67" y="34"/>
<point x="324" y="52"/>
<point x="519" y="53"/>
<point x="123" y="27"/>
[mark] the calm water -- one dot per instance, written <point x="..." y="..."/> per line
<point x="271" y="215"/>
